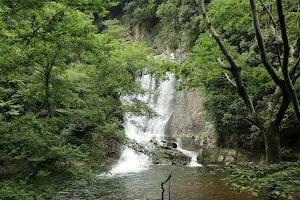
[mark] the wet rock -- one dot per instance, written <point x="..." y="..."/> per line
<point x="174" y="145"/>
<point x="133" y="144"/>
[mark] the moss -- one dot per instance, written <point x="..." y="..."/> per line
<point x="160" y="156"/>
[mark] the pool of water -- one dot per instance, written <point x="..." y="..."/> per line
<point x="187" y="183"/>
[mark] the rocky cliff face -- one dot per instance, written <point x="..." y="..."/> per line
<point x="188" y="123"/>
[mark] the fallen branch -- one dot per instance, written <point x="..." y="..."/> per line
<point x="163" y="189"/>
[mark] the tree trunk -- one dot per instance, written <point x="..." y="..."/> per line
<point x="48" y="70"/>
<point x="272" y="143"/>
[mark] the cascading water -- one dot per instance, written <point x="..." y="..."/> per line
<point x="160" y="100"/>
<point x="191" y="154"/>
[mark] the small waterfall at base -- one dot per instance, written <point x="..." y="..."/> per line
<point x="191" y="154"/>
<point x="160" y="99"/>
<point x="130" y="161"/>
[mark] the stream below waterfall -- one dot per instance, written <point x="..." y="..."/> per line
<point x="134" y="177"/>
<point x="187" y="183"/>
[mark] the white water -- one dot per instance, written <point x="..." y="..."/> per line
<point x="130" y="161"/>
<point x="191" y="154"/>
<point x="160" y="100"/>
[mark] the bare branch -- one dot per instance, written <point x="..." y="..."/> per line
<point x="285" y="63"/>
<point x="33" y="34"/>
<point x="229" y="79"/>
<point x="254" y="122"/>
<point x="262" y="49"/>
<point x="274" y="100"/>
<point x="284" y="37"/>
<point x="274" y="31"/>
<point x="163" y="189"/>
<point x="269" y="13"/>
<point x="217" y="38"/>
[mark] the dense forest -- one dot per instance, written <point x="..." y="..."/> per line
<point x="66" y="64"/>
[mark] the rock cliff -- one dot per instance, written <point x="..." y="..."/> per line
<point x="188" y="122"/>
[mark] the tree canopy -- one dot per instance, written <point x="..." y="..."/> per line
<point x="64" y="71"/>
<point x="60" y="87"/>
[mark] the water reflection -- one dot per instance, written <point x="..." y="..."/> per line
<point x="186" y="184"/>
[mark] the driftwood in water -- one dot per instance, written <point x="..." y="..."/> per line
<point x="163" y="189"/>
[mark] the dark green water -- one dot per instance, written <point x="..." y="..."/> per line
<point x="187" y="183"/>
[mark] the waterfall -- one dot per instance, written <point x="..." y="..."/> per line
<point x="160" y="100"/>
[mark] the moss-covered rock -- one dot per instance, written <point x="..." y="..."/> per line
<point x="169" y="156"/>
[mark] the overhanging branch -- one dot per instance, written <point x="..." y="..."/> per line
<point x="274" y="31"/>
<point x="234" y="68"/>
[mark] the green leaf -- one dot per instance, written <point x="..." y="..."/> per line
<point x="254" y="194"/>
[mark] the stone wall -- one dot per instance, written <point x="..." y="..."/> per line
<point x="231" y="156"/>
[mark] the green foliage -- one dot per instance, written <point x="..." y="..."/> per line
<point x="277" y="180"/>
<point x="179" y="24"/>
<point x="141" y="12"/>
<point x="21" y="190"/>
<point x="61" y="87"/>
<point x="172" y="24"/>
<point x="30" y="148"/>
<point x="238" y="27"/>
<point x="168" y="13"/>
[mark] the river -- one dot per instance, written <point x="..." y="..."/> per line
<point x="187" y="183"/>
